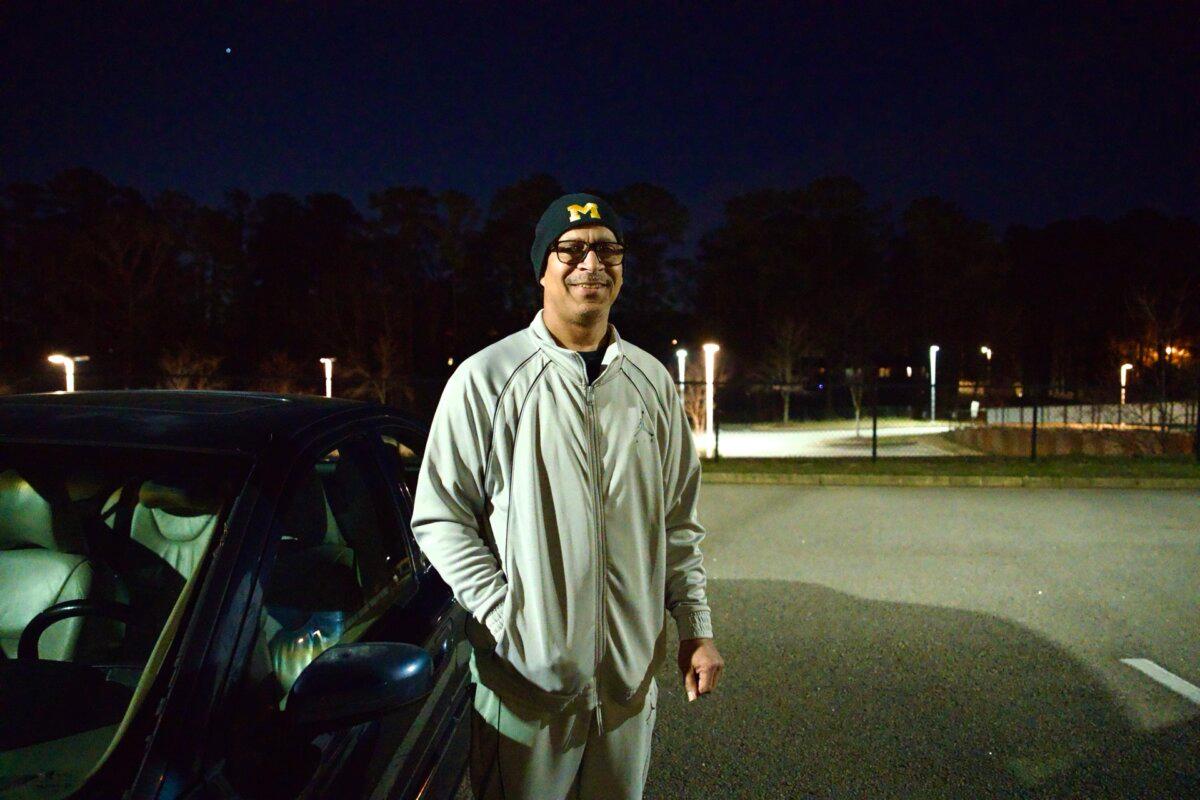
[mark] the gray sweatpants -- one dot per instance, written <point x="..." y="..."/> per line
<point x="519" y="754"/>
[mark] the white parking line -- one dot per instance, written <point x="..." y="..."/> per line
<point x="1167" y="679"/>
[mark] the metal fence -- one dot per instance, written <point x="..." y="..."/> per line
<point x="818" y="419"/>
<point x="1088" y="420"/>
<point x="882" y="418"/>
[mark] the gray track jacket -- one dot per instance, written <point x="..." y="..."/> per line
<point x="563" y="517"/>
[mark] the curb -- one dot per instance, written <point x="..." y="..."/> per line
<point x="985" y="481"/>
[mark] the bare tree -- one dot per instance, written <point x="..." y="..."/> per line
<point x="131" y="251"/>
<point x="854" y="382"/>
<point x="694" y="390"/>
<point x="1162" y="315"/>
<point x="781" y="363"/>
<point x="380" y="376"/>
<point x="280" y="373"/>
<point x="187" y="369"/>
<point x="693" y="395"/>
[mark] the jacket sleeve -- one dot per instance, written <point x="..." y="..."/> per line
<point x="686" y="599"/>
<point x="449" y="504"/>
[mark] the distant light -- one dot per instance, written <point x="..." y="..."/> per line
<point x="328" y="362"/>
<point x="1124" y="369"/>
<point x="228" y="50"/>
<point x="820" y="386"/>
<point x="933" y="351"/>
<point x="909" y="371"/>
<point x="449" y="362"/>
<point x="710" y="354"/>
<point x="68" y="365"/>
<point x="674" y="341"/>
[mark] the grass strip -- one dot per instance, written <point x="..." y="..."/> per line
<point x="1049" y="466"/>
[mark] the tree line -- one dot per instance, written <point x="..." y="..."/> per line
<point x="791" y="281"/>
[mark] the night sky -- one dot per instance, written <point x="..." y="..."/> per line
<point x="1021" y="114"/>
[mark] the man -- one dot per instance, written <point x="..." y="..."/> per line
<point x="557" y="497"/>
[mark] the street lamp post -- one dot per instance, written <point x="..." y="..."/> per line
<point x="1124" y="371"/>
<point x="710" y="351"/>
<point x="933" y="351"/>
<point x="987" y="352"/>
<point x="68" y="365"/>
<point x="681" y="357"/>
<point x="328" y="362"/>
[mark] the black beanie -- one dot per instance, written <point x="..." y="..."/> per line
<point x="567" y="212"/>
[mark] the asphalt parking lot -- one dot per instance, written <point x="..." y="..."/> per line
<point x="897" y="642"/>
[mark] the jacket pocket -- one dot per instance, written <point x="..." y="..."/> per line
<point x="508" y="621"/>
<point x="480" y="635"/>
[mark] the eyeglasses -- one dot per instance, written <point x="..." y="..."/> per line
<point x="574" y="251"/>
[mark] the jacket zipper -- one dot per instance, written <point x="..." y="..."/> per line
<point x="602" y="556"/>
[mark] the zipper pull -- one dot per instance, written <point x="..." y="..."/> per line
<point x="589" y="394"/>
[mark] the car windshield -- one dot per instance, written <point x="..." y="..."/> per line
<point x="99" y="550"/>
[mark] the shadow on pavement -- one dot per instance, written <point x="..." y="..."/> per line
<point x="1162" y="763"/>
<point x="832" y="696"/>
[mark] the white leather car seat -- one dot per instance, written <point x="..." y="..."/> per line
<point x="174" y="524"/>
<point x="41" y="564"/>
<point x="170" y="528"/>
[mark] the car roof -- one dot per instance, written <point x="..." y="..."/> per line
<point x="242" y="422"/>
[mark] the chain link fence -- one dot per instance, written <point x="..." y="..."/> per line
<point x="1085" y="420"/>
<point x="822" y="418"/>
<point x="875" y="418"/>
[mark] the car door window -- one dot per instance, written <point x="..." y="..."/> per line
<point x="403" y="449"/>
<point x="340" y="566"/>
<point x="340" y="563"/>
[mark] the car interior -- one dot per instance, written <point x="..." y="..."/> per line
<point x="93" y="560"/>
<point x="329" y="568"/>
<point x="330" y="579"/>
<point x="98" y="554"/>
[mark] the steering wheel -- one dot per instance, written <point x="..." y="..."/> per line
<point x="27" y="647"/>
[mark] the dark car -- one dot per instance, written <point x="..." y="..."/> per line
<point x="218" y="595"/>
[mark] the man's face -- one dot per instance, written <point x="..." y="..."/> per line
<point x="583" y="292"/>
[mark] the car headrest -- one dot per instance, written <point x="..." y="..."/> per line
<point x="179" y="501"/>
<point x="25" y="517"/>
<point x="305" y="518"/>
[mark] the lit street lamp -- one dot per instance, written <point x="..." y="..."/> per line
<point x="710" y="352"/>
<point x="1124" y="371"/>
<point x="68" y="365"/>
<point x="681" y="355"/>
<point x="328" y="362"/>
<point x="987" y="351"/>
<point x="933" y="350"/>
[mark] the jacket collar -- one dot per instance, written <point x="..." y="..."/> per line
<point x="570" y="359"/>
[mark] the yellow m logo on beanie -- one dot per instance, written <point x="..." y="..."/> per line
<point x="578" y="211"/>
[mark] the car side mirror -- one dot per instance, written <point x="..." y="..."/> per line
<point x="353" y="683"/>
